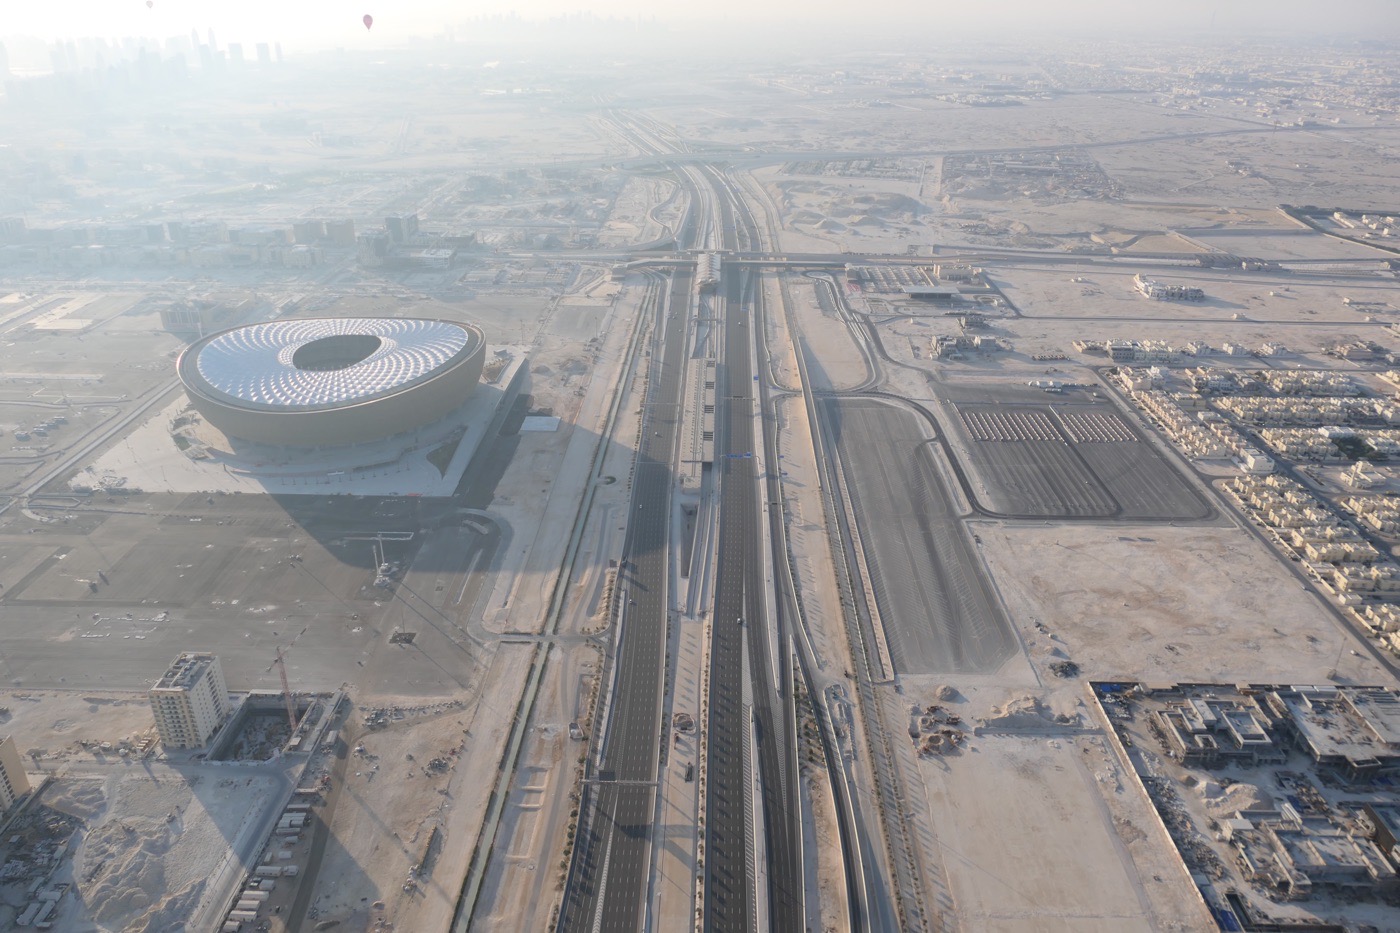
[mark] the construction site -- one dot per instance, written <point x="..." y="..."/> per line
<point x="1280" y="799"/>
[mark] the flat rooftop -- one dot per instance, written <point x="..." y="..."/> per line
<point x="185" y="670"/>
<point x="1334" y="725"/>
<point x="1380" y="710"/>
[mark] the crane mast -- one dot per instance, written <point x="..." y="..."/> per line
<point x="287" y="691"/>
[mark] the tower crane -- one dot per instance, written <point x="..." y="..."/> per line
<point x="281" y="664"/>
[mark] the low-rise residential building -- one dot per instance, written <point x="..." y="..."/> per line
<point x="1379" y="513"/>
<point x="1313" y="382"/>
<point x="1301" y="444"/>
<point x="1380" y="618"/>
<point x="1211" y="379"/>
<point x="1140" y="379"/>
<point x="1122" y="351"/>
<point x="1267" y="410"/>
<point x="1162" y="291"/>
<point x="1202" y="436"/>
<point x="1302" y="522"/>
<point x="1381" y="578"/>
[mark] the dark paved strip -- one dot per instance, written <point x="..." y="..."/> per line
<point x="609" y="880"/>
<point x="740" y="592"/>
<point x="936" y="604"/>
<point x="1146" y="485"/>
<point x="1072" y="461"/>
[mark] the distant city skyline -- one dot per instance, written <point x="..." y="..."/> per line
<point x="333" y="23"/>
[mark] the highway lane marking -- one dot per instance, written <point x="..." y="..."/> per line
<point x="467" y="575"/>
<point x="603" y="880"/>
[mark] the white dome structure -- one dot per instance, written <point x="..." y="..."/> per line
<point x="321" y="382"/>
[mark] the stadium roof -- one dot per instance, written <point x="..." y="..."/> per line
<point x="326" y="362"/>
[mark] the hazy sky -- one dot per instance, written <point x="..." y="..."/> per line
<point x="337" y="22"/>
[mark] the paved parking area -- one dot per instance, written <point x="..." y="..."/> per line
<point x="106" y="599"/>
<point x="936" y="604"/>
<point x="1074" y="460"/>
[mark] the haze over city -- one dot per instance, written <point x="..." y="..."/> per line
<point x="885" y="468"/>
<point x="331" y="24"/>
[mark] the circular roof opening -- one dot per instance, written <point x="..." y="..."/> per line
<point x="340" y="351"/>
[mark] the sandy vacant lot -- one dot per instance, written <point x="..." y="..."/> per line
<point x="412" y="798"/>
<point x="147" y="840"/>
<point x="1164" y="603"/>
<point x="53" y="723"/>
<point x="1009" y="862"/>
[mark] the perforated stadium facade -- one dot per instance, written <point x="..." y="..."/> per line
<point x="326" y="382"/>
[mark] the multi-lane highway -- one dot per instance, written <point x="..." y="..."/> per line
<point x="750" y="691"/>
<point x="752" y="869"/>
<point x="612" y="860"/>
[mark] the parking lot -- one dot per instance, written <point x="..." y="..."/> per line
<point x="106" y="599"/>
<point x="1072" y="460"/>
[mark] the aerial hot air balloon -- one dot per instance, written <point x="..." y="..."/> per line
<point x="150" y="3"/>
<point x="369" y="21"/>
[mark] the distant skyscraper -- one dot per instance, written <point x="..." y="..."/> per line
<point x="264" y="54"/>
<point x="12" y="230"/>
<point x="212" y="44"/>
<point x="13" y="783"/>
<point x="279" y="53"/>
<point x="372" y="247"/>
<point x="194" y="39"/>
<point x="341" y="232"/>
<point x="4" y="61"/>
<point x="401" y="226"/>
<point x="235" y="53"/>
